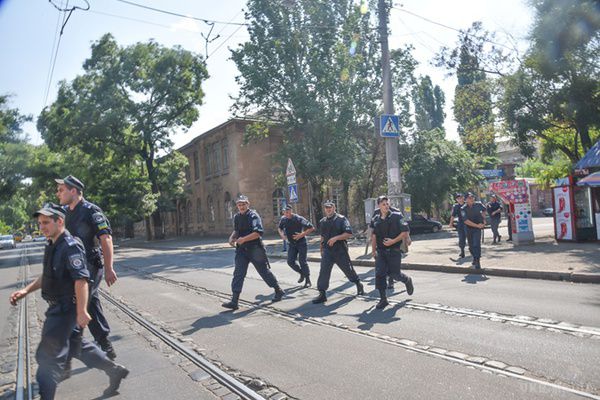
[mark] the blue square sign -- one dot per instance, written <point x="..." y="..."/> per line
<point x="293" y="193"/>
<point x="389" y="125"/>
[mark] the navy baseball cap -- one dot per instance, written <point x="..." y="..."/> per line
<point x="71" y="181"/>
<point x="50" y="209"/>
<point x="457" y="195"/>
<point x="288" y="207"/>
<point x="329" y="203"/>
<point x="469" y="194"/>
<point x="382" y="198"/>
<point x="242" y="199"/>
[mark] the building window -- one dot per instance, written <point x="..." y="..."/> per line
<point x="207" y="161"/>
<point x="198" y="211"/>
<point x="278" y="202"/>
<point x="211" y="209"/>
<point x="196" y="166"/>
<point x="225" y="148"/>
<point x="188" y="178"/>
<point x="228" y="207"/>
<point x="216" y="153"/>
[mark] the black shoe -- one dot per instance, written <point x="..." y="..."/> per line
<point x="107" y="347"/>
<point x="390" y="283"/>
<point x="383" y="303"/>
<point x="476" y="264"/>
<point x="509" y="240"/>
<point x="116" y="375"/>
<point x="409" y="287"/>
<point x="461" y="255"/>
<point x="307" y="282"/>
<point x="360" y="290"/>
<point x="321" y="298"/>
<point x="499" y="237"/>
<point x="232" y="305"/>
<point x="278" y="295"/>
<point x="301" y="279"/>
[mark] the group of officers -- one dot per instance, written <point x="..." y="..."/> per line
<point x="389" y="230"/>
<point x="78" y="252"/>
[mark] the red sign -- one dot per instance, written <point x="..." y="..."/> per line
<point x="515" y="191"/>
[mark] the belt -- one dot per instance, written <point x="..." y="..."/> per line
<point x="52" y="303"/>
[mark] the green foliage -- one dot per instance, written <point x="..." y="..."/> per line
<point x="437" y="168"/>
<point x="429" y="105"/>
<point x="545" y="174"/>
<point x="121" y="113"/>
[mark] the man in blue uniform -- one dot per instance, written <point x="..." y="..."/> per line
<point x="64" y="285"/>
<point x="461" y="228"/>
<point x="335" y="230"/>
<point x="246" y="238"/>
<point x="294" y="228"/>
<point x="388" y="232"/>
<point x="473" y="214"/>
<point x="494" y="209"/>
<point x="86" y="221"/>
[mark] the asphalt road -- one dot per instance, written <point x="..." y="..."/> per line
<point x="431" y="345"/>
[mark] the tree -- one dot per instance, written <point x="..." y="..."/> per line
<point x="429" y="105"/>
<point x="435" y="168"/>
<point x="558" y="85"/>
<point x="13" y="149"/>
<point x="313" y="67"/>
<point x="123" y="110"/>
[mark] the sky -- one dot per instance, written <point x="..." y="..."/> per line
<point x="29" y="37"/>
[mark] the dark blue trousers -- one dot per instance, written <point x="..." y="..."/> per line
<point x="298" y="251"/>
<point x="98" y="325"/>
<point x="52" y="352"/>
<point x="462" y="236"/>
<point x="258" y="257"/>
<point x="495" y="222"/>
<point x="474" y="240"/>
<point x="339" y="256"/>
<point x="388" y="263"/>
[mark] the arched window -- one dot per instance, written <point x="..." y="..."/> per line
<point x="198" y="211"/>
<point x="211" y="209"/>
<point x="278" y="202"/>
<point x="228" y="207"/>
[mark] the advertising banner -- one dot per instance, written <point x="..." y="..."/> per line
<point x="563" y="212"/>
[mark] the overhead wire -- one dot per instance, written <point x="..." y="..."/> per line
<point x="51" y="62"/>
<point x="64" y="15"/>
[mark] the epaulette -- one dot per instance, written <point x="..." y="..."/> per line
<point x="87" y="204"/>
<point x="70" y="241"/>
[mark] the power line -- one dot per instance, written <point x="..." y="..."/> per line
<point x="223" y="42"/>
<point x="51" y="63"/>
<point x="55" y="53"/>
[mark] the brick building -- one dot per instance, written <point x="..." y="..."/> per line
<point x="220" y="168"/>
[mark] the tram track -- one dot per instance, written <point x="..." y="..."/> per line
<point x="24" y="386"/>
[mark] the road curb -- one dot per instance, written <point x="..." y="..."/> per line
<point x="576" y="277"/>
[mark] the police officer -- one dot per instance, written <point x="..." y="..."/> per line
<point x="295" y="228"/>
<point x="335" y="230"/>
<point x="246" y="238"/>
<point x="494" y="209"/>
<point x="64" y="285"/>
<point x="86" y="221"/>
<point x="389" y="230"/>
<point x="406" y="241"/>
<point x="460" y="223"/>
<point x="473" y="213"/>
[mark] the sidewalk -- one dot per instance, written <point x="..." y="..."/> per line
<point x="545" y="259"/>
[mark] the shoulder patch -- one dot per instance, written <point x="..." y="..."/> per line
<point x="87" y="204"/>
<point x="100" y="220"/>
<point x="76" y="261"/>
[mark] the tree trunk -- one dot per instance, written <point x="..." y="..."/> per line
<point x="346" y="197"/>
<point x="156" y="219"/>
<point x="129" y="229"/>
<point x="148" y="228"/>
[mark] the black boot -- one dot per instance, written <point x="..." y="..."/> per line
<point x="321" y="298"/>
<point x="233" y="303"/>
<point x="409" y="287"/>
<point x="383" y="303"/>
<point x="107" y="347"/>
<point x="301" y="279"/>
<point x="499" y="237"/>
<point x="476" y="264"/>
<point x="116" y="374"/>
<point x="307" y="282"/>
<point x="462" y="253"/>
<point x="390" y="282"/>
<point x="278" y="294"/>
<point x="360" y="290"/>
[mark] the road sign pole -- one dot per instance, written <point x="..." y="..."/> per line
<point x="394" y="179"/>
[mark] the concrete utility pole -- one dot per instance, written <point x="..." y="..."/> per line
<point x="394" y="179"/>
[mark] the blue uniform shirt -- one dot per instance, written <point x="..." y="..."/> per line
<point x="456" y="212"/>
<point x="491" y="207"/>
<point x="294" y="225"/>
<point x="389" y="227"/>
<point x="245" y="224"/>
<point x="64" y="263"/>
<point x="473" y="213"/>
<point x="87" y="222"/>
<point x="333" y="226"/>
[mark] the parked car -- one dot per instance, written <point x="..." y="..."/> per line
<point x="17" y="236"/>
<point x="420" y="224"/>
<point x="7" y="242"/>
<point x="40" y="238"/>
<point x="548" y="212"/>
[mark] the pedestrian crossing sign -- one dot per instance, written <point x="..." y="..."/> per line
<point x="389" y="125"/>
<point x="293" y="193"/>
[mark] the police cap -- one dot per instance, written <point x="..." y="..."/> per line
<point x="71" y="181"/>
<point x="242" y="199"/>
<point x="288" y="207"/>
<point x="50" y="209"/>
<point x="328" y="203"/>
<point x="469" y="194"/>
<point x="457" y="195"/>
<point x="382" y="198"/>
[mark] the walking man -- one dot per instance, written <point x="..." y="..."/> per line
<point x="473" y="214"/>
<point x="87" y="222"/>
<point x="335" y="230"/>
<point x="295" y="228"/>
<point x="461" y="228"/>
<point x="246" y="238"/>
<point x="494" y="209"/>
<point x="389" y="230"/>
<point x="64" y="285"/>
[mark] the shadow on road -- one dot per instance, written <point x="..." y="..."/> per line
<point x="474" y="278"/>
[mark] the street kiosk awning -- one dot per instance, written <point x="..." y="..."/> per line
<point x="592" y="180"/>
<point x="591" y="158"/>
